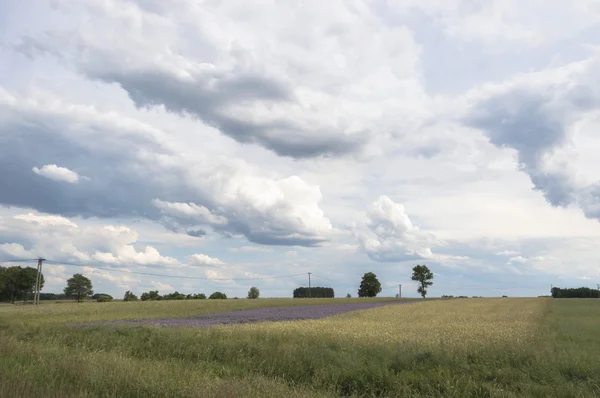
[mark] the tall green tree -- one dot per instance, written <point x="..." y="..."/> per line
<point x="17" y="283"/>
<point x="369" y="286"/>
<point x="26" y="282"/>
<point x="253" y="293"/>
<point x="423" y="275"/>
<point x="79" y="286"/>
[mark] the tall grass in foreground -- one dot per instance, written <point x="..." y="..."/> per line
<point x="456" y="348"/>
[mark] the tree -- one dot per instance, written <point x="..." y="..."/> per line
<point x="152" y="295"/>
<point x="129" y="296"/>
<point x="79" y="286"/>
<point x="17" y="283"/>
<point x="253" y="293"/>
<point x="369" y="286"/>
<point x="423" y="275"/>
<point x="348" y="295"/>
<point x="218" y="296"/>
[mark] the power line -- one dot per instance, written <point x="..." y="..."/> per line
<point x="169" y="276"/>
<point x="20" y="260"/>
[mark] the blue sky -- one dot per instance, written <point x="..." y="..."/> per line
<point x="227" y="141"/>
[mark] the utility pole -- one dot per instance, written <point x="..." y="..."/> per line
<point x="400" y="291"/>
<point x="309" y="291"/>
<point x="38" y="282"/>
<point x="598" y="290"/>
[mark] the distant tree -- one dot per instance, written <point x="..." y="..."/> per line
<point x="423" y="275"/>
<point x="129" y="296"/>
<point x="200" y="296"/>
<point x="253" y="293"/>
<point x="369" y="286"/>
<point x="348" y="295"/>
<point x="189" y="297"/>
<point x="79" y="286"/>
<point x="217" y="296"/>
<point x="151" y="295"/>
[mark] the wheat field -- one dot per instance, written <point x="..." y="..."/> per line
<point x="535" y="347"/>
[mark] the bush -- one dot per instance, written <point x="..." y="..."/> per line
<point x="105" y="298"/>
<point x="218" y="296"/>
<point x="314" y="292"/>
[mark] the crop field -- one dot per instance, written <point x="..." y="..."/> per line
<point x="435" y="348"/>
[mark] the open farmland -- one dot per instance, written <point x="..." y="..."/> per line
<point x="450" y="348"/>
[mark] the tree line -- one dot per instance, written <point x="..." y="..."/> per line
<point x="579" y="292"/>
<point x="18" y="283"/>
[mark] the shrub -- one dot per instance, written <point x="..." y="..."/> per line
<point x="218" y="296"/>
<point x="320" y="292"/>
<point x="104" y="298"/>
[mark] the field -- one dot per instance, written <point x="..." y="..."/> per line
<point x="448" y="348"/>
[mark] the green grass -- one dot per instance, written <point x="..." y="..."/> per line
<point x="453" y="348"/>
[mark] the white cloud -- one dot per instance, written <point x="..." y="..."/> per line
<point x="518" y="259"/>
<point x="203" y="259"/>
<point x="57" y="173"/>
<point x="508" y="253"/>
<point x="60" y="239"/>
<point x="395" y="238"/>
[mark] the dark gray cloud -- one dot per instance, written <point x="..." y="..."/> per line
<point x="533" y="119"/>
<point x="208" y="103"/>
<point x="126" y="169"/>
<point x="524" y="120"/>
<point x="214" y="97"/>
<point x="197" y="233"/>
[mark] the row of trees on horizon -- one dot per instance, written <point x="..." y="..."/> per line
<point x="18" y="283"/>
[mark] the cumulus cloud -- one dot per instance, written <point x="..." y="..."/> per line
<point x="57" y="238"/>
<point x="243" y="83"/>
<point x="532" y="114"/>
<point x="143" y="176"/>
<point x="518" y="259"/>
<point x="57" y="173"/>
<point x="203" y="259"/>
<point x="394" y="238"/>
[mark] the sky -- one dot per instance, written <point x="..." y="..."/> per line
<point x="219" y="145"/>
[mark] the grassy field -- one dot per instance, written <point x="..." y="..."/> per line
<point x="448" y="348"/>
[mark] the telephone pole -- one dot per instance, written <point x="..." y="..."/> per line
<point x="400" y="291"/>
<point x="309" y="291"/>
<point x="38" y="282"/>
